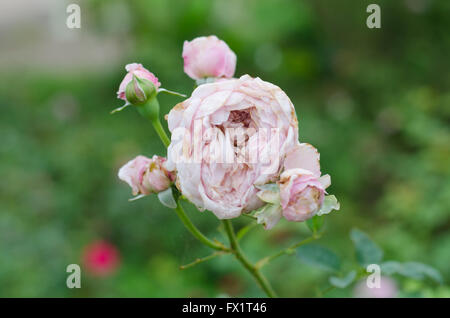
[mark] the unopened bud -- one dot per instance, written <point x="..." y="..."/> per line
<point x="139" y="91"/>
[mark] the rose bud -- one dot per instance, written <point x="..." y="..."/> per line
<point x="301" y="194"/>
<point x="139" y="91"/>
<point x="146" y="175"/>
<point x="138" y="85"/>
<point x="208" y="57"/>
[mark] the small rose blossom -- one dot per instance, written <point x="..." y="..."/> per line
<point x="101" y="258"/>
<point x="301" y="194"/>
<point x="139" y="71"/>
<point x="302" y="190"/>
<point x="145" y="175"/>
<point x="208" y="57"/>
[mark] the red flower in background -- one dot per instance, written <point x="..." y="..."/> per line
<point x="101" y="258"/>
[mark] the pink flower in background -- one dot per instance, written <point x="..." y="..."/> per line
<point x="145" y="175"/>
<point x="302" y="190"/>
<point x="101" y="258"/>
<point x="388" y="289"/>
<point x="208" y="57"/>
<point x="224" y="181"/>
<point x="139" y="71"/>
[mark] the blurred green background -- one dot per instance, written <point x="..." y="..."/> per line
<point x="375" y="102"/>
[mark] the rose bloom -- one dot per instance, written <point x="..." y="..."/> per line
<point x="388" y="289"/>
<point x="100" y="258"/>
<point x="139" y="71"/>
<point x="213" y="167"/>
<point x="208" y="57"/>
<point x="145" y="175"/>
<point x="302" y="190"/>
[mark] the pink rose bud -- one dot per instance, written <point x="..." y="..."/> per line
<point x="302" y="189"/>
<point x="301" y="194"/>
<point x="138" y="71"/>
<point x="101" y="258"/>
<point x="146" y="175"/>
<point x="208" y="57"/>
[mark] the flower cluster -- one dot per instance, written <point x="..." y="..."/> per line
<point x="234" y="146"/>
<point x="145" y="175"/>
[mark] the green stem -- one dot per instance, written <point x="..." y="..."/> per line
<point x="161" y="133"/>
<point x="193" y="229"/>
<point x="150" y="110"/>
<point x="236" y="250"/>
<point x="203" y="259"/>
<point x="288" y="250"/>
<point x="249" y="216"/>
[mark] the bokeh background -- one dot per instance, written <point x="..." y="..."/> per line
<point x="375" y="102"/>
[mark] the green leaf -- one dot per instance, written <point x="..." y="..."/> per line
<point x="167" y="199"/>
<point x="391" y="267"/>
<point x="268" y="215"/>
<point x="269" y="193"/>
<point x="421" y="271"/>
<point x="367" y="252"/>
<point x="315" y="223"/>
<point x="329" y="204"/>
<point x="140" y="196"/>
<point x="342" y="282"/>
<point x="319" y="256"/>
<point x="163" y="90"/>
<point x="119" y="109"/>
<point x="413" y="270"/>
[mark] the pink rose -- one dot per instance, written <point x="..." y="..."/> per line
<point x="208" y="57"/>
<point x="301" y="194"/>
<point x="146" y="175"/>
<point x="228" y="137"/>
<point x="302" y="190"/>
<point x="101" y="258"/>
<point x="139" y="71"/>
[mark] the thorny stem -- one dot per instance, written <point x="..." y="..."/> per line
<point x="288" y="250"/>
<point x="179" y="209"/>
<point x="325" y="291"/>
<point x="194" y="231"/>
<point x="236" y="250"/>
<point x="203" y="259"/>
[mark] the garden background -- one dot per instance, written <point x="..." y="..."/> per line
<point x="375" y="102"/>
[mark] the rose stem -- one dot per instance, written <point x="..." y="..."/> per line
<point x="193" y="229"/>
<point x="235" y="247"/>
<point x="236" y="250"/>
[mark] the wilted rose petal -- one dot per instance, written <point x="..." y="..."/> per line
<point x="303" y="156"/>
<point x="301" y="194"/>
<point x="228" y="137"/>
